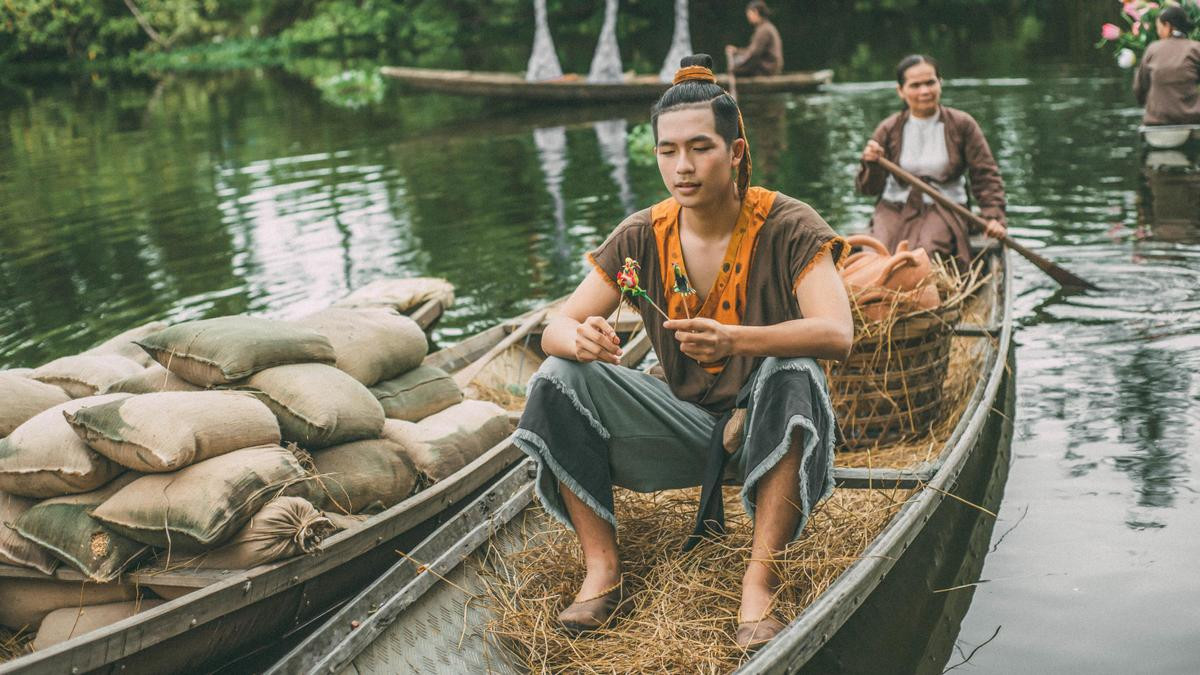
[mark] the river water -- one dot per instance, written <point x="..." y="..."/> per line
<point x="122" y="202"/>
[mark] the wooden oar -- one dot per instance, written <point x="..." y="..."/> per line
<point x="1060" y="274"/>
<point x="464" y="377"/>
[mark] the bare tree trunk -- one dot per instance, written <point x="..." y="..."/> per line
<point x="154" y="35"/>
<point x="606" y="62"/>
<point x="681" y="42"/>
<point x="543" y="62"/>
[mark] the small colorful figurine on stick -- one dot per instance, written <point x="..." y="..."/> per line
<point x="683" y="288"/>
<point x="628" y="281"/>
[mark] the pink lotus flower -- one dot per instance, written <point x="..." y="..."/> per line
<point x="1110" y="31"/>
<point x="1133" y="11"/>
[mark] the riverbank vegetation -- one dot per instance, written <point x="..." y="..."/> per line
<point x="860" y="37"/>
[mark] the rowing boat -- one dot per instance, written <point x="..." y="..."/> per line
<point x="579" y="90"/>
<point x="225" y="614"/>
<point x="428" y="612"/>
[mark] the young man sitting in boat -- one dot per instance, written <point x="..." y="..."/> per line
<point x="769" y="302"/>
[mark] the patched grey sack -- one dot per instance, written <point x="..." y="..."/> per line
<point x="21" y="398"/>
<point x="371" y="344"/>
<point x="86" y="374"/>
<point x="417" y="394"/>
<point x="318" y="405"/>
<point x="153" y="433"/>
<point x="15" y="549"/>
<point x="152" y="380"/>
<point x="230" y="348"/>
<point x="64" y="527"/>
<point x="201" y="506"/>
<point x="363" y="475"/>
<point x="44" y="457"/>
<point x="443" y="443"/>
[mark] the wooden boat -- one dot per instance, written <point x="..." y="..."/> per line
<point x="579" y="90"/>
<point x="232" y="612"/>
<point x="421" y="615"/>
<point x="1164" y="137"/>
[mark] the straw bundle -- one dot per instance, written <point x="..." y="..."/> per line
<point x="891" y="388"/>
<point x="684" y="605"/>
<point x="14" y="645"/>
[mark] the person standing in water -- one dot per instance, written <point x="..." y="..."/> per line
<point x="1168" y="79"/>
<point x="768" y="302"/>
<point x="764" y="54"/>
<point x="946" y="148"/>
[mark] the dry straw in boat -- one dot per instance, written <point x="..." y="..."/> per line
<point x="684" y="605"/>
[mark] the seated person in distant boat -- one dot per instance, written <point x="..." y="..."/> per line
<point x="946" y="148"/>
<point x="770" y="301"/>
<point x="1168" y="79"/>
<point x="764" y="54"/>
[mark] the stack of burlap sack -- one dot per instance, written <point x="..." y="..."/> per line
<point x="219" y="443"/>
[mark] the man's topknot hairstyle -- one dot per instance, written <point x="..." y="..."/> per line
<point x="695" y="86"/>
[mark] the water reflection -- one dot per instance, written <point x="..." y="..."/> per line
<point x="1169" y="196"/>
<point x="613" y="137"/>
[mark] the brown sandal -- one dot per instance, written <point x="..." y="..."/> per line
<point x="584" y="616"/>
<point x="752" y="635"/>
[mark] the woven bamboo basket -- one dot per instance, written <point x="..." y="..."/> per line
<point x="890" y="388"/>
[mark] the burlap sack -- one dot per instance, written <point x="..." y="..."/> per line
<point x="86" y="374"/>
<point x="229" y="348"/>
<point x="365" y="475"/>
<point x="285" y="527"/>
<point x="371" y="344"/>
<point x="28" y="601"/>
<point x="123" y="344"/>
<point x="153" y="433"/>
<point x="417" y="394"/>
<point x="152" y="380"/>
<point x="15" y="549"/>
<point x="63" y="527"/>
<point x="45" y="458"/>
<point x="400" y="294"/>
<point x="318" y="405"/>
<point x="63" y="624"/>
<point x="203" y="505"/>
<point x="21" y="398"/>
<point x="443" y="443"/>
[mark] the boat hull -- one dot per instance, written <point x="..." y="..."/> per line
<point x="642" y="87"/>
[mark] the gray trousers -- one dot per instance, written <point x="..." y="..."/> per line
<point x="593" y="425"/>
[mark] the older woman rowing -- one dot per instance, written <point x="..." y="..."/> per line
<point x="947" y="148"/>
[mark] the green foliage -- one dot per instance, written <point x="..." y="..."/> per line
<point x="640" y="142"/>
<point x="1140" y="16"/>
<point x="352" y="88"/>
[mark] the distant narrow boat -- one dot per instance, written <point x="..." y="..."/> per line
<point x="425" y="617"/>
<point x="1164" y="137"/>
<point x="577" y="89"/>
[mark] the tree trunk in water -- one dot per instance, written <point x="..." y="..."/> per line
<point x="681" y="42"/>
<point x="614" y="148"/>
<point x="551" y="143"/>
<point x="543" y="62"/>
<point x="606" y="62"/>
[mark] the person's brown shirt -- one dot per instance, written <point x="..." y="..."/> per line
<point x="1168" y="82"/>
<point x="791" y="238"/>
<point x="764" y="54"/>
<point x="968" y="152"/>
